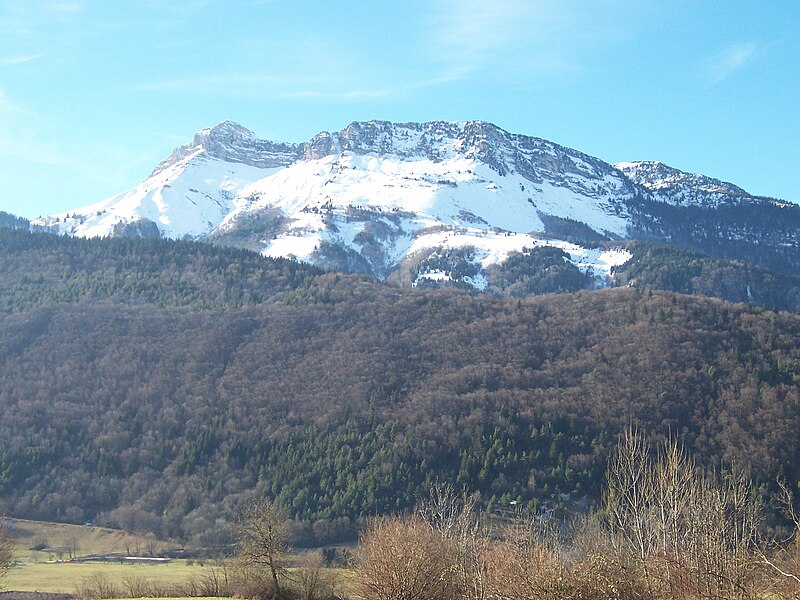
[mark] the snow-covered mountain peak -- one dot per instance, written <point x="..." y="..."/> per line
<point x="674" y="186"/>
<point x="230" y="142"/>
<point x="226" y="134"/>
<point x="433" y="140"/>
<point x="426" y="201"/>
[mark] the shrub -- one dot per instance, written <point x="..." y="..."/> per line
<point x="403" y="558"/>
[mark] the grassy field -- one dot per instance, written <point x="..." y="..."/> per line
<point x="60" y="540"/>
<point x="64" y="577"/>
<point x="43" y="571"/>
<point x="36" y="571"/>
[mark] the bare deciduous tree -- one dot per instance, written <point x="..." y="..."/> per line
<point x="263" y="540"/>
<point x="628" y="498"/>
<point x="6" y="548"/>
<point x="152" y="547"/>
<point x="312" y="579"/>
<point x="71" y="543"/>
<point x="456" y="518"/>
<point x="691" y="531"/>
<point x="785" y="559"/>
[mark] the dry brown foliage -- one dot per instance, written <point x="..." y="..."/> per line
<point x="669" y="531"/>
<point x="784" y="560"/>
<point x="312" y="580"/>
<point x="403" y="558"/>
<point x="445" y="551"/>
<point x="455" y="517"/>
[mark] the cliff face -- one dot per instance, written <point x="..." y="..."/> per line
<point x="230" y="142"/>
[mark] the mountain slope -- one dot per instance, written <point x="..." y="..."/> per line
<point x="396" y="200"/>
<point x="341" y="397"/>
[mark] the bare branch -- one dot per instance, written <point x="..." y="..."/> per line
<point x="6" y="548"/>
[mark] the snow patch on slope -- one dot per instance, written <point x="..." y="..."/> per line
<point x="677" y="187"/>
<point x="186" y="200"/>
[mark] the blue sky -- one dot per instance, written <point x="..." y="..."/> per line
<point x="94" y="93"/>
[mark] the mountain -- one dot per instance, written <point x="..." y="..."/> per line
<point x="436" y="203"/>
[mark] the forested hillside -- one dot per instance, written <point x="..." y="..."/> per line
<point x="763" y="231"/>
<point x="159" y="386"/>
<point x="41" y="269"/>
<point x="12" y="221"/>
<point x="47" y="268"/>
<point x="662" y="267"/>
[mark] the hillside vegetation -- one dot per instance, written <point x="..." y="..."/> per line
<point x="657" y="266"/>
<point x="41" y="269"/>
<point x="162" y="386"/>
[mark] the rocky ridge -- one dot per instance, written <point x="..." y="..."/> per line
<point x="432" y="203"/>
<point x="670" y="185"/>
<point x="230" y="142"/>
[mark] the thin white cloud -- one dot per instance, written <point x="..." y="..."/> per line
<point x="453" y="40"/>
<point x="730" y="60"/>
<point x="278" y="87"/>
<point x="64" y="7"/>
<point x="179" y="8"/>
<point x="246" y="85"/>
<point x="27" y="140"/>
<point x="229" y="84"/>
<point x="468" y="33"/>
<point x="10" y="108"/>
<point x="17" y="60"/>
<point x="461" y="37"/>
<point x="18" y="139"/>
<point x="523" y="36"/>
<point x="6" y="105"/>
<point x="333" y="95"/>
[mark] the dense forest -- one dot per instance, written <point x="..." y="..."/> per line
<point x="13" y="221"/>
<point x="662" y="267"/>
<point x="131" y="269"/>
<point x="161" y="386"/>
<point x="762" y="232"/>
<point x="40" y="269"/>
